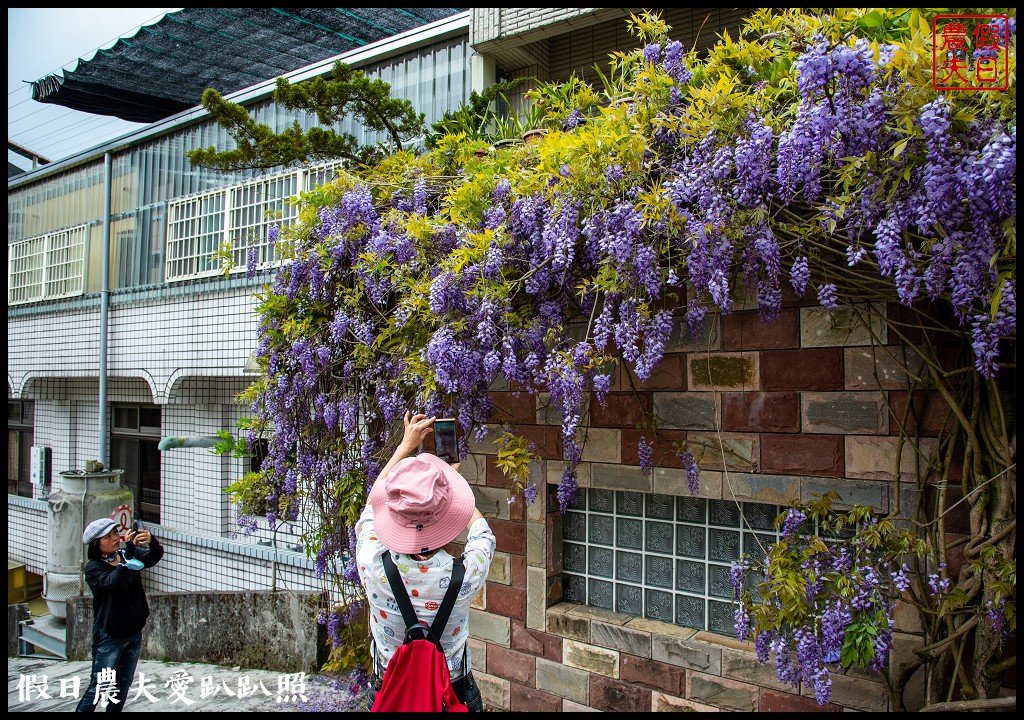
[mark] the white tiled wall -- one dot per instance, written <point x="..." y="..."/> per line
<point x="184" y="353"/>
<point x="160" y="341"/>
<point x="26" y="532"/>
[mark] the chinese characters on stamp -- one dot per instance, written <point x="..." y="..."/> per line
<point x="970" y="52"/>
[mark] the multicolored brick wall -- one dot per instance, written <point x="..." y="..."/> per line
<point x="773" y="412"/>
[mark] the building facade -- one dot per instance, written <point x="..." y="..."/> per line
<point x="621" y="603"/>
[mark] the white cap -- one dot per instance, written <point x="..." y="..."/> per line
<point x="97" y="529"/>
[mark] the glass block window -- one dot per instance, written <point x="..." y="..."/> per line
<point x="47" y="266"/>
<point x="661" y="557"/>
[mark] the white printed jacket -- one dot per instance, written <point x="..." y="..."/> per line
<point x="426" y="581"/>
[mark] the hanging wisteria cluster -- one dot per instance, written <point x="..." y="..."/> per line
<point x="807" y="164"/>
<point x="841" y="610"/>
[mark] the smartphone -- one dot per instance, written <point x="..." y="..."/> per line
<point x="446" y="440"/>
<point x="139" y="525"/>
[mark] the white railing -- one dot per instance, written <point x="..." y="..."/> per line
<point x="237" y="217"/>
<point x="47" y="266"/>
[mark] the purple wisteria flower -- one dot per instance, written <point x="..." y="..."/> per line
<point x="996" y="611"/>
<point x="753" y="161"/>
<point x="645" y="448"/>
<point x="815" y="67"/>
<point x="938" y="585"/>
<point x="673" y="63"/>
<point x="692" y="471"/>
<point x="794" y="519"/>
<point x="530" y="493"/>
<point x="900" y="580"/>
<point x="567" y="489"/>
<point x="827" y="296"/>
<point x="252" y="259"/>
<point x="574" y="119"/>
<point x="800" y="275"/>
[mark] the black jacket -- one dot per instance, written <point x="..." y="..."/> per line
<point x="119" y="603"/>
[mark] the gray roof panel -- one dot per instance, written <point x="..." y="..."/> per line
<point x="164" y="68"/>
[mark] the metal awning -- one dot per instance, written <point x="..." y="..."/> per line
<point x="164" y="68"/>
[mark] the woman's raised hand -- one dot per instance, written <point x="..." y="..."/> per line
<point x="417" y="427"/>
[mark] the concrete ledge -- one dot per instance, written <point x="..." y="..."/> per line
<point x="28" y="503"/>
<point x="263" y="629"/>
<point x="235" y="548"/>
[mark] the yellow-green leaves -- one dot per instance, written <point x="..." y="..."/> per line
<point x="514" y="458"/>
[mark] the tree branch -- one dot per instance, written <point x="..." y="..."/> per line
<point x="970" y="705"/>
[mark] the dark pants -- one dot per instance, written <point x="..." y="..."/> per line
<point x="119" y="654"/>
<point x="465" y="688"/>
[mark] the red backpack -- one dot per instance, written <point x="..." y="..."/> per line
<point x="417" y="677"/>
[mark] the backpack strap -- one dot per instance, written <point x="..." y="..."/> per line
<point x="405" y="604"/>
<point x="399" y="591"/>
<point x="451" y="595"/>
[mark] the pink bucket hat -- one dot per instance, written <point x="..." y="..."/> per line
<point x="421" y="505"/>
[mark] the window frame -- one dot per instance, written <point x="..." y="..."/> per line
<point x="23" y="427"/>
<point x="48" y="266"/>
<point x="203" y="224"/>
<point x="145" y="438"/>
<point x="630" y="582"/>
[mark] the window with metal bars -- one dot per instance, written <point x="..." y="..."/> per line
<point x="239" y="216"/>
<point x="47" y="267"/>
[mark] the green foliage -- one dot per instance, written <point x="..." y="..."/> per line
<point x="559" y="100"/>
<point x="515" y="455"/>
<point x="249" y="493"/>
<point x="347" y="92"/>
<point x="229" y="444"/>
<point x="861" y="635"/>
<point x="480" y="118"/>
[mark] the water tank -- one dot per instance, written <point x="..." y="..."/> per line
<point x="86" y="496"/>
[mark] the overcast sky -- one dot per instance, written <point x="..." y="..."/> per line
<point x="42" y="41"/>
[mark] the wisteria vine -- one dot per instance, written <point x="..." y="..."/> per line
<point x="806" y="166"/>
<point x="822" y="602"/>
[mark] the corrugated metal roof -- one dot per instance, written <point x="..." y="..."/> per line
<point x="165" y="67"/>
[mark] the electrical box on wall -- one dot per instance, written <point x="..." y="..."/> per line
<point x="41" y="466"/>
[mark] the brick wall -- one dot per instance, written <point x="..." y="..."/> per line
<point x="778" y="412"/>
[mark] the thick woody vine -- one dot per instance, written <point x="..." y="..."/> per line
<point x="809" y="157"/>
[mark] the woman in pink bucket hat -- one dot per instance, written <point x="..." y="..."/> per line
<point x="418" y="505"/>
